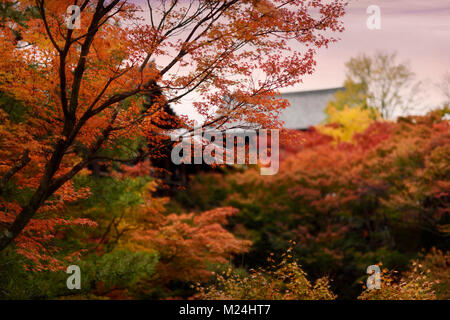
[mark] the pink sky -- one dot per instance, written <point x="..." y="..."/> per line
<point x="418" y="30"/>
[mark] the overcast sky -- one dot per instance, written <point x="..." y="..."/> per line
<point x="418" y="30"/>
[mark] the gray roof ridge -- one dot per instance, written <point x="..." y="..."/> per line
<point x="311" y="91"/>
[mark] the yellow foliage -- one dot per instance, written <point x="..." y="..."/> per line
<point x="345" y="123"/>
<point x="282" y="281"/>
<point x="414" y="285"/>
<point x="436" y="265"/>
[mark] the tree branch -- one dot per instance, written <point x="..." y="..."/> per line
<point x="23" y="161"/>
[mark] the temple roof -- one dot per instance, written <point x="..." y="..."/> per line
<point x="307" y="107"/>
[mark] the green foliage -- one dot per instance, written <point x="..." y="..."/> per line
<point x="107" y="204"/>
<point x="9" y="12"/>
<point x="14" y="109"/>
<point x="118" y="269"/>
<point x="99" y="275"/>
<point x="353" y="95"/>
<point x="380" y="82"/>
<point x="110" y="194"/>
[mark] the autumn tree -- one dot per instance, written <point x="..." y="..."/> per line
<point x="83" y="89"/>
<point x="188" y="244"/>
<point x="134" y="221"/>
<point x="379" y="81"/>
<point x="353" y="95"/>
<point x="343" y="124"/>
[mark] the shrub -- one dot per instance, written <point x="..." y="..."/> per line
<point x="413" y="285"/>
<point x="283" y="281"/>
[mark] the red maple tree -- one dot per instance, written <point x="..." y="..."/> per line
<point x="83" y="90"/>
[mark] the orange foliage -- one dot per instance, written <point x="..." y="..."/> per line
<point x="390" y="179"/>
<point x="83" y="89"/>
<point x="187" y="244"/>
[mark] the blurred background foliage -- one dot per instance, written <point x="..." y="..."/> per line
<point x="382" y="195"/>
